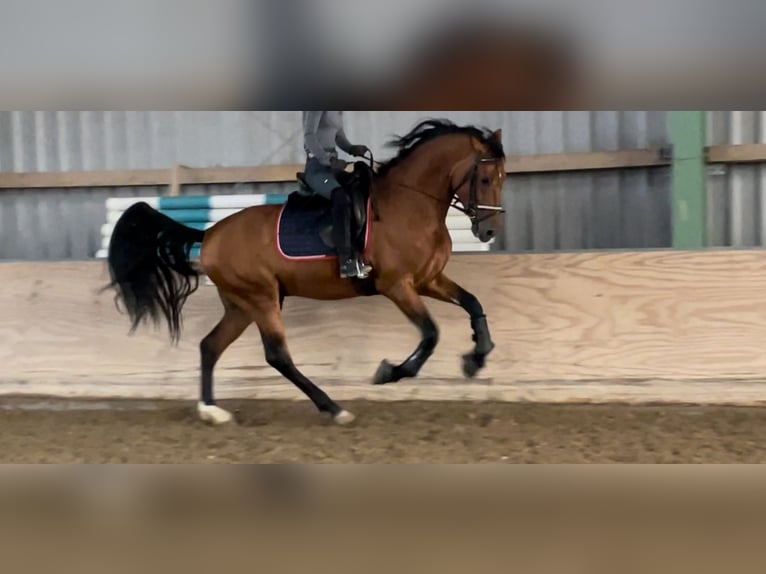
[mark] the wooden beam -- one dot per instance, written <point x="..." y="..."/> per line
<point x="515" y="165"/>
<point x="583" y="161"/>
<point x="117" y="178"/>
<point x="743" y="153"/>
<point x="257" y="174"/>
<point x="543" y="163"/>
<point x="286" y="173"/>
<point x="148" y="177"/>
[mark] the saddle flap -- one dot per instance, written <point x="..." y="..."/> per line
<point x="359" y="208"/>
<point x="304" y="228"/>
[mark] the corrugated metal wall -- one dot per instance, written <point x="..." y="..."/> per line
<point x="53" y="141"/>
<point x="62" y="224"/>
<point x="64" y="141"/>
<point x="545" y="212"/>
<point x="736" y="201"/>
<point x="587" y="210"/>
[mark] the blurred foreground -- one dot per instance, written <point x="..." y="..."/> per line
<point x="336" y="518"/>
<point x="438" y="54"/>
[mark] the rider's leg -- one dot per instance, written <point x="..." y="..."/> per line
<point x="341" y="216"/>
<point x="323" y="181"/>
<point x="364" y="268"/>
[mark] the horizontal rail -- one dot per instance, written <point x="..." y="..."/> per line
<point x="515" y="165"/>
<point x="197" y="201"/>
<point x="585" y="161"/>
<point x="149" y="177"/>
<point x="182" y="175"/>
<point x="743" y="153"/>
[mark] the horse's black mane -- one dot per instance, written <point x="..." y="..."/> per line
<point x="427" y="130"/>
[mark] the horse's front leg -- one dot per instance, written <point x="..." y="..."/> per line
<point x="410" y="303"/>
<point x="444" y="289"/>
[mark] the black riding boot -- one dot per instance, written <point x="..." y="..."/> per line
<point x="341" y="231"/>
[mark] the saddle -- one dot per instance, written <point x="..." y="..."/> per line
<point x="357" y="183"/>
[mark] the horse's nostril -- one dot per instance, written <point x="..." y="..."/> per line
<point x="490" y="233"/>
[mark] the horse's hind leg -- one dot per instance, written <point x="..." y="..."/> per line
<point x="268" y="317"/>
<point x="409" y="302"/>
<point x="233" y="323"/>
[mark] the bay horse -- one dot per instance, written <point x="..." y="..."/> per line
<point x="438" y="165"/>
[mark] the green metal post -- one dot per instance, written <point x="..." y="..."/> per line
<point x="687" y="134"/>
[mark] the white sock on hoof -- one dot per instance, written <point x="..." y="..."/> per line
<point x="213" y="414"/>
<point x="344" y="418"/>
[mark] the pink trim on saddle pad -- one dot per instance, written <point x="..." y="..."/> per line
<point x="367" y="234"/>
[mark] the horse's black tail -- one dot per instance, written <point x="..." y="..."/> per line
<point x="150" y="266"/>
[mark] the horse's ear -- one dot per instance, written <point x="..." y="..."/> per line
<point x="498" y="135"/>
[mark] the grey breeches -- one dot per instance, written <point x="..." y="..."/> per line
<point x="321" y="178"/>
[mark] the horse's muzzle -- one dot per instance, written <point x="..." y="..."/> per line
<point x="484" y="231"/>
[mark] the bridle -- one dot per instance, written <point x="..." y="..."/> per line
<point x="473" y="208"/>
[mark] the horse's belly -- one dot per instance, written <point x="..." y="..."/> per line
<point x="320" y="280"/>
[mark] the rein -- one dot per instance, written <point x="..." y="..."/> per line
<point x="473" y="208"/>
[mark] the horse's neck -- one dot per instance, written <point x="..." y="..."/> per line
<point x="422" y="179"/>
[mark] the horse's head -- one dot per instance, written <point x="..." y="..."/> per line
<point x="477" y="182"/>
<point x="475" y="170"/>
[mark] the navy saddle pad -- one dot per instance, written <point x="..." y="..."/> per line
<point x="301" y="223"/>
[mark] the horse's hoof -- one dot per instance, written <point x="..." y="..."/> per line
<point x="472" y="364"/>
<point x="344" y="418"/>
<point x="213" y="414"/>
<point x="384" y="374"/>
